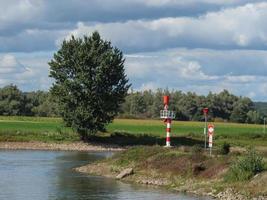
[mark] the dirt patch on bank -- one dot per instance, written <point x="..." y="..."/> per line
<point x="76" y="146"/>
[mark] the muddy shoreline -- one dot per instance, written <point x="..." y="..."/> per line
<point x="102" y="169"/>
<point x="75" y="146"/>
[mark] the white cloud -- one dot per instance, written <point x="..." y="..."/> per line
<point x="148" y="86"/>
<point x="192" y="70"/>
<point x="201" y="71"/>
<point x="159" y="28"/>
<point x="251" y="95"/>
<point x="238" y="27"/>
<point x="158" y="3"/>
<point x="240" y="79"/>
<point x="9" y="65"/>
<point x="159" y="68"/>
<point x="15" y="12"/>
<point x="263" y="88"/>
<point x="180" y="69"/>
<point x="13" y="70"/>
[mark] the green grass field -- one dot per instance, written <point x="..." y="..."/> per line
<point x="239" y="134"/>
<point x="52" y="129"/>
<point x="35" y="129"/>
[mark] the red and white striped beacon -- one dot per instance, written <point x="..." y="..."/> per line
<point x="167" y="115"/>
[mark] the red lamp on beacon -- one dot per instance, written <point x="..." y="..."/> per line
<point x="205" y="111"/>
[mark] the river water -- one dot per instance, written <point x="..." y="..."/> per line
<point x="48" y="175"/>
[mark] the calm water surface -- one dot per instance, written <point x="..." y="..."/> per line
<point x="48" y="175"/>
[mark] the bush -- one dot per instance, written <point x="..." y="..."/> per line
<point x="225" y="148"/>
<point x="246" y="167"/>
<point x="197" y="150"/>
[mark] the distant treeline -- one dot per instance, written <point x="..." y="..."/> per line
<point x="15" y="102"/>
<point x="187" y="106"/>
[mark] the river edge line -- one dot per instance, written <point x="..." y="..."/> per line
<point x="191" y="186"/>
<point x="74" y="146"/>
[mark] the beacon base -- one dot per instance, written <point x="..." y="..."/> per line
<point x="168" y="144"/>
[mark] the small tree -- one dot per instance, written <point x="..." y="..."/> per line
<point x="11" y="100"/>
<point x="90" y="83"/>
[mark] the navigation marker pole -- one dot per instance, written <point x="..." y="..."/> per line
<point x="167" y="115"/>
<point x="205" y="112"/>
<point x="168" y="133"/>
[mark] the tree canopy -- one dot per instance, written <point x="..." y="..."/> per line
<point x="223" y="106"/>
<point x="15" y="102"/>
<point x="90" y="82"/>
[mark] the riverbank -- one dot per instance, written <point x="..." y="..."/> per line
<point x="73" y="146"/>
<point x="181" y="169"/>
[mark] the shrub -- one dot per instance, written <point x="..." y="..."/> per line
<point x="196" y="150"/>
<point x="225" y="148"/>
<point x="246" y="167"/>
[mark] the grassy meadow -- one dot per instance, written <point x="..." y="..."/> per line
<point x="35" y="129"/>
<point x="130" y="132"/>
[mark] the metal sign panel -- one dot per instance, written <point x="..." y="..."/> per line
<point x="210" y="133"/>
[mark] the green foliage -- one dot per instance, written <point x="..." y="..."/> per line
<point x="225" y="148"/>
<point x="14" y="102"/>
<point x="261" y="107"/>
<point x="254" y="117"/>
<point x="222" y="104"/>
<point x="48" y="108"/>
<point x="241" y="108"/>
<point x="188" y="106"/>
<point x="196" y="150"/>
<point x="90" y="83"/>
<point x="223" y="107"/>
<point x="11" y="100"/>
<point x="136" y="154"/>
<point x="246" y="167"/>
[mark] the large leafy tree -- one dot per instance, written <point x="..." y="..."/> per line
<point x="90" y="82"/>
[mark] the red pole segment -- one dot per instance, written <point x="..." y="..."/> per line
<point x="168" y="133"/>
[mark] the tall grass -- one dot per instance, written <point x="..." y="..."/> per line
<point x="246" y="167"/>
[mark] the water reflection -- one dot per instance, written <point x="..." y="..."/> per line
<point x="47" y="175"/>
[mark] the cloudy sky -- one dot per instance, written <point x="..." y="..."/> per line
<point x="188" y="45"/>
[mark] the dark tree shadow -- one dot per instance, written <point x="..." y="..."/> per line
<point x="126" y="139"/>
